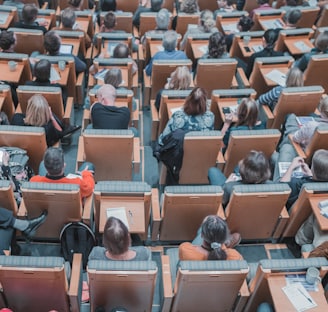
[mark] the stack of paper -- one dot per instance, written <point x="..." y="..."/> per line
<point x="323" y="205"/>
<point x="277" y="76"/>
<point x="119" y="213"/>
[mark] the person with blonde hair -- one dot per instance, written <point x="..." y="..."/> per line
<point x="294" y="78"/>
<point x="180" y="79"/>
<point x="39" y="114"/>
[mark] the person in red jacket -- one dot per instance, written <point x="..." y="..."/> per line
<point x="52" y="171"/>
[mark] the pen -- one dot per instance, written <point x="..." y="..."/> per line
<point x="305" y="295"/>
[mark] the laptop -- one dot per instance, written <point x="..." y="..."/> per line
<point x="66" y="48"/>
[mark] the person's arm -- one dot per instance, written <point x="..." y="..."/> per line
<point x="170" y="127"/>
<point x="79" y="65"/>
<point x="54" y="121"/>
<point x="149" y="67"/>
<point x="297" y="162"/>
<point x="87" y="183"/>
<point x="271" y="97"/>
<point x="302" y="63"/>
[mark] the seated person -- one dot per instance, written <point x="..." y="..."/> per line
<point x="52" y="169"/>
<point x="217" y="47"/>
<point x="117" y="244"/>
<point x="193" y="117"/>
<point x="213" y="242"/>
<point x="247" y="119"/>
<point x="29" y="16"/>
<point x="317" y="173"/>
<point x="155" y="6"/>
<point x="105" y="114"/>
<point x="294" y="78"/>
<point x="320" y="47"/>
<point x="9" y="223"/>
<point x="180" y="79"/>
<point x="253" y="169"/>
<point x="170" y="53"/>
<point x="291" y="18"/>
<point x="7" y="41"/>
<point x="108" y="24"/>
<point x="225" y="6"/>
<point x="263" y="5"/>
<point x="41" y="71"/>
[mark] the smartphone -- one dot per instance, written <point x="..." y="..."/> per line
<point x="247" y="49"/>
<point x="226" y="110"/>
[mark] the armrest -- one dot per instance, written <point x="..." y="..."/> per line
<point x="220" y="161"/>
<point x="87" y="210"/>
<point x="135" y="32"/>
<point x="154" y="121"/>
<point x="297" y="147"/>
<point x="167" y="284"/>
<point x="22" y="212"/>
<point x="221" y="213"/>
<point x="156" y="214"/>
<point x="86" y="119"/>
<point x="136" y="154"/>
<point x="80" y="88"/>
<point x="281" y="223"/>
<point x="135" y="116"/>
<point x="18" y="109"/>
<point x="44" y="6"/>
<point x="68" y="110"/>
<point x="147" y="82"/>
<point x="80" y="153"/>
<point x="242" y="298"/>
<point x="268" y="114"/>
<point x="75" y="285"/>
<point x="242" y="77"/>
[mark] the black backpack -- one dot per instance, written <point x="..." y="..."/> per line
<point x="77" y="237"/>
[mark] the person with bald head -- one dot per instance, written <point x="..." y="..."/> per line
<point x="105" y="114"/>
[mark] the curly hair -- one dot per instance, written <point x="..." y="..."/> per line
<point x="189" y="6"/>
<point x="216" y="45"/>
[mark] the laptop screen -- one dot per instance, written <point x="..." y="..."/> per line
<point x="66" y="48"/>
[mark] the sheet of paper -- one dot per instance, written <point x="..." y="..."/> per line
<point x="257" y="48"/>
<point x="299" y="297"/>
<point x="119" y="213"/>
<point x="302" y="46"/>
<point x="300" y="278"/>
<point x="203" y="49"/>
<point x="277" y="76"/>
<point x="230" y="27"/>
<point x="111" y="47"/>
<point x="192" y="26"/>
<point x="54" y="75"/>
<point x="101" y="74"/>
<point x="3" y="17"/>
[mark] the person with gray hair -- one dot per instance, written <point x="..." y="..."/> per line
<point x="169" y="43"/>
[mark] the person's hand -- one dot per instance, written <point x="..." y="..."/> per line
<point x="232" y="178"/>
<point x="221" y="4"/>
<point x="5" y="158"/>
<point x="43" y="22"/>
<point x="306" y="169"/>
<point x="297" y="162"/>
<point x="228" y="118"/>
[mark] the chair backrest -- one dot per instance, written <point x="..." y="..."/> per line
<point x="301" y="209"/>
<point x="185" y="207"/>
<point x="9" y="16"/>
<point x="208" y="5"/>
<point x="207" y="70"/>
<point x="206" y="285"/>
<point x="224" y="97"/>
<point x="267" y="19"/>
<point x="241" y="142"/>
<point x="134" y="196"/>
<point x="127" y="6"/>
<point x="317" y="67"/>
<point x="262" y="66"/>
<point x="201" y="38"/>
<point x="6" y="104"/>
<point x="147" y="22"/>
<point x="309" y="16"/>
<point x="116" y="146"/>
<point x="126" y="284"/>
<point x="301" y="101"/>
<point x="323" y="19"/>
<point x="75" y="38"/>
<point x="63" y="4"/>
<point x="62" y="201"/>
<point x="85" y="21"/>
<point x="31" y="139"/>
<point x="123" y="21"/>
<point x="7" y="199"/>
<point x="194" y="168"/>
<point x="28" y="40"/>
<point x="318" y="141"/>
<point x="34" y="283"/>
<point x="184" y="19"/>
<point x="226" y="22"/>
<point x="49" y="15"/>
<point x="254" y="210"/>
<point x="107" y="41"/>
<point x="260" y="291"/>
<point x="162" y="70"/>
<point x="52" y="94"/>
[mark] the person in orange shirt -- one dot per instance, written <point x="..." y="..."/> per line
<point x="52" y="171"/>
<point x="217" y="242"/>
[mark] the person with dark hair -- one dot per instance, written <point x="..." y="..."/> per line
<point x="170" y="40"/>
<point x="7" y="41"/>
<point x="109" y="23"/>
<point x="186" y="6"/>
<point x="75" y="5"/>
<point x="253" y="169"/>
<point x="193" y="117"/>
<point x="291" y="18"/>
<point x="123" y="51"/>
<point x="52" y="170"/>
<point x="117" y="244"/>
<point x="247" y="119"/>
<point x="213" y="242"/>
<point x="320" y="47"/>
<point x="155" y="6"/>
<point x="29" y="16"/>
<point x="269" y="40"/>
<point x="217" y="47"/>
<point x="108" y="5"/>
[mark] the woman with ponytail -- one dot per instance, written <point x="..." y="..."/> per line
<point x="213" y="242"/>
<point x="269" y="40"/>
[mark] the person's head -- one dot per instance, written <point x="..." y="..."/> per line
<point x="180" y="79"/>
<point x="121" y="51"/>
<point x="189" y="6"/>
<point x="214" y="233"/>
<point x="42" y="70"/>
<point x="29" y="13"/>
<point x="319" y="165"/>
<point x="294" y="78"/>
<point x="247" y="113"/>
<point x="4" y="119"/>
<point x="323" y="107"/>
<point x="245" y="23"/>
<point x="207" y="20"/>
<point x="110" y="20"/>
<point x="255" y="168"/>
<point x="53" y="160"/>
<point x="270" y="37"/>
<point x="156" y="5"/>
<point x="170" y="40"/>
<point x="217" y="45"/>
<point x="108" y="5"/>
<point x="292" y="17"/>
<point x="68" y="18"/>
<point x="195" y="103"/>
<point x="75" y="3"/>
<point x="52" y="42"/>
<point x="113" y="77"/>
<point x="37" y="111"/>
<point x="260" y="2"/>
<point x="116" y="237"/>
<point x="106" y="95"/>
<point x="321" y="43"/>
<point x="162" y="19"/>
<point x="7" y="40"/>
